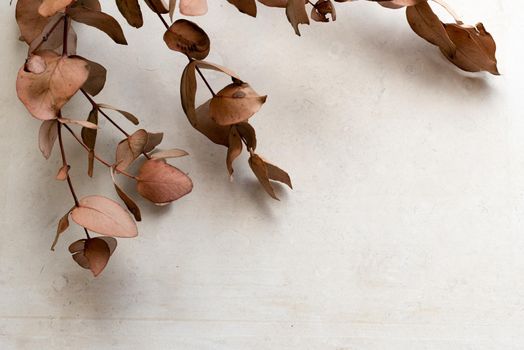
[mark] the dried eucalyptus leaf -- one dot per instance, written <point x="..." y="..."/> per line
<point x="157" y="6"/>
<point x="63" y="225"/>
<point x="97" y="253"/>
<point x="82" y="123"/>
<point x="172" y="153"/>
<point x="97" y="77"/>
<point x="153" y="140"/>
<point x="261" y="172"/>
<point x="130" y="9"/>
<point x="104" y="216"/>
<point x="187" y="37"/>
<point x="128" y="201"/>
<point x="47" y="136"/>
<point x="235" y="103"/>
<point x="129" y="149"/>
<point x="62" y="173"/>
<point x="30" y="22"/>
<point x="475" y="48"/>
<point x="427" y="25"/>
<point x="248" y="133"/>
<point x="249" y="7"/>
<point x="234" y="149"/>
<point x="126" y="114"/>
<point x="99" y="20"/>
<point x="162" y="183"/>
<point x="45" y="92"/>
<point x="296" y="13"/>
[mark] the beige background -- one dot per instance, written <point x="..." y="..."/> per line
<point x="404" y="231"/>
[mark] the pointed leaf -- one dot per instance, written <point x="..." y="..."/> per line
<point x="47" y="137"/>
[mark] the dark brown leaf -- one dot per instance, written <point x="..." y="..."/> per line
<point x="99" y="20"/>
<point x="187" y="37"/>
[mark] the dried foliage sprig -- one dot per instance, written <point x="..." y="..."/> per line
<point x="53" y="73"/>
<point x="50" y="77"/>
<point x="471" y="48"/>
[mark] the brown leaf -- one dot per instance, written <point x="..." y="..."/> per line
<point x="47" y="137"/>
<point x="127" y="115"/>
<point x="62" y="173"/>
<point x="55" y="38"/>
<point x="49" y="8"/>
<point x="203" y="123"/>
<point x="153" y="140"/>
<point x="172" y="153"/>
<point x="63" y="225"/>
<point x="83" y="123"/>
<point x="129" y="149"/>
<point x="97" y="253"/>
<point x="128" y="201"/>
<point x="296" y="13"/>
<point x="277" y="174"/>
<point x="248" y="133"/>
<point x="89" y="139"/>
<point x="235" y="103"/>
<point x="97" y="77"/>
<point x="30" y="22"/>
<point x="111" y="243"/>
<point x="45" y="93"/>
<point x="89" y="134"/>
<point x="162" y="183"/>
<point x="475" y="48"/>
<point x="427" y="25"/>
<point x="248" y="7"/>
<point x="261" y="172"/>
<point x="187" y="37"/>
<point x="130" y="9"/>
<point x="99" y="20"/>
<point x="234" y="149"/>
<point x="188" y="86"/>
<point x="77" y="249"/>
<point x="104" y="216"/>
<point x="157" y="6"/>
<point x="193" y="7"/>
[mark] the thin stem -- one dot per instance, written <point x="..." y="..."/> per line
<point x="64" y="163"/>
<point x="204" y="79"/>
<point x="95" y="105"/>
<point x="45" y="36"/>
<point x="448" y="8"/>
<point x="66" y="33"/>
<point x="189" y="58"/>
<point x="101" y="160"/>
<point x="68" y="178"/>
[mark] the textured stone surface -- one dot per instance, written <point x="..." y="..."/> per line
<point x="404" y="231"/>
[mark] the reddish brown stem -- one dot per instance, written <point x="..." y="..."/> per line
<point x="64" y="163"/>
<point x="95" y="105"/>
<point x="97" y="157"/>
<point x="66" y="33"/>
<point x="45" y="36"/>
<point x="189" y="58"/>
